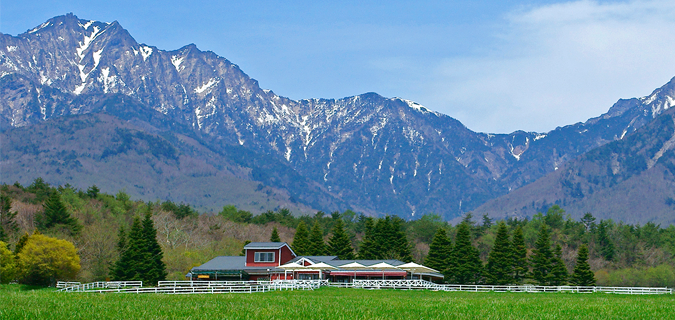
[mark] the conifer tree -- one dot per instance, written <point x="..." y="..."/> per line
<point x="439" y="252"/>
<point x="499" y="266"/>
<point x="339" y="243"/>
<point x="22" y="242"/>
<point x="301" y="240"/>
<point x="7" y="223"/>
<point x="465" y="265"/>
<point x="121" y="266"/>
<point x="156" y="270"/>
<point x="582" y="274"/>
<point x="383" y="237"/>
<point x="400" y="248"/>
<point x="559" y="274"/>
<point x="519" y="256"/>
<point x="367" y="249"/>
<point x="316" y="245"/>
<point x="275" y="235"/>
<point x="133" y="261"/>
<point x="243" y="251"/>
<point x="55" y="214"/>
<point x="542" y="257"/>
<point x="604" y="242"/>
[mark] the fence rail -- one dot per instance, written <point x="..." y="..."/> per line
<point x="66" y="284"/>
<point x="423" y="284"/>
<point x="103" y="284"/>
<point x="192" y="287"/>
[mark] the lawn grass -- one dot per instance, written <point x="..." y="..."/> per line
<point x="17" y="302"/>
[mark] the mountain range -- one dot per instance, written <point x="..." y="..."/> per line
<point x="82" y="103"/>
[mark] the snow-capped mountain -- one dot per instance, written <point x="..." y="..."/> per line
<point x="379" y="155"/>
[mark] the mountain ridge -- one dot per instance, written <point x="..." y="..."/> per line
<point x="382" y="155"/>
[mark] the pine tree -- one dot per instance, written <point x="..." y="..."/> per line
<point x="604" y="242"/>
<point x="558" y="275"/>
<point x="367" y="249"/>
<point x="55" y="214"/>
<point x="7" y="223"/>
<point x="542" y="257"/>
<point x="465" y="265"/>
<point x="243" y="251"/>
<point x="439" y="252"/>
<point x="519" y="256"/>
<point x="301" y="240"/>
<point x="500" y="263"/>
<point x="121" y="266"/>
<point x="339" y="243"/>
<point x="400" y="248"/>
<point x="156" y="268"/>
<point x="316" y="245"/>
<point x="383" y="237"/>
<point x="275" y="235"/>
<point x="582" y="274"/>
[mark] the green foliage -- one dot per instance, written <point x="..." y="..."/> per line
<point x="41" y="190"/>
<point x="339" y="243"/>
<point x="8" y="224"/>
<point x="93" y="191"/>
<point x="56" y="216"/>
<point x="301" y="240"/>
<point x="231" y="213"/>
<point x="8" y="265"/>
<point x="140" y="256"/>
<point x="542" y="257"/>
<point x="156" y="269"/>
<point x="465" y="264"/>
<point x="316" y="245"/>
<point x="180" y="211"/>
<point x="660" y="276"/>
<point x="368" y="248"/>
<point x="519" y="256"/>
<point x="499" y="268"/>
<point x="604" y="242"/>
<point x="439" y="252"/>
<point x="559" y="274"/>
<point x="275" y="235"/>
<point x="582" y="275"/>
<point x="44" y="260"/>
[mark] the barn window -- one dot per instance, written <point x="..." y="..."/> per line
<point x="264" y="257"/>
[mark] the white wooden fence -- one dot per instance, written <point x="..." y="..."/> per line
<point x="192" y="287"/>
<point x="423" y="284"/>
<point x="102" y="284"/>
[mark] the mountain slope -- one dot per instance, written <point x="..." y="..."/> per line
<point x="632" y="180"/>
<point x="367" y="152"/>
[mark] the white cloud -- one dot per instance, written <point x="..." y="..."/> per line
<point x="559" y="64"/>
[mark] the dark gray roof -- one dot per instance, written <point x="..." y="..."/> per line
<point x="230" y="263"/>
<point x="265" y="245"/>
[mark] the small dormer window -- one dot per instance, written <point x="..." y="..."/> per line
<point x="264" y="257"/>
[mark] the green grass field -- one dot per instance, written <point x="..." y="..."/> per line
<point x="18" y="302"/>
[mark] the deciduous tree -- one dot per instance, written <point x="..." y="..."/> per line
<point x="8" y="267"/>
<point x="43" y="260"/>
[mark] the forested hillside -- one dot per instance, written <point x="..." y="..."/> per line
<point x="619" y="253"/>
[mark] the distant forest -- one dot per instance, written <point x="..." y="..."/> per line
<point x="618" y="254"/>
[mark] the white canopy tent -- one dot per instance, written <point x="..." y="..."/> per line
<point x="291" y="267"/>
<point x="418" y="268"/>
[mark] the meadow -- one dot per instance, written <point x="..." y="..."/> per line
<point x="20" y="302"/>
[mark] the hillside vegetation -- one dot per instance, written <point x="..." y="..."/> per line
<point x="620" y="254"/>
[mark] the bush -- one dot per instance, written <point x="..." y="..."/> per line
<point x="44" y="259"/>
<point x="7" y="264"/>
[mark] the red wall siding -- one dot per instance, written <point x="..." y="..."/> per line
<point x="286" y="255"/>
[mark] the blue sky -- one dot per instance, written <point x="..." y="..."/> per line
<point x="497" y="66"/>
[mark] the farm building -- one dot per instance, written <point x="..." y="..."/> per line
<point x="276" y="260"/>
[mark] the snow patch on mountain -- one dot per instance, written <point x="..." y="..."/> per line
<point x="176" y="61"/>
<point x="145" y="52"/>
<point x="212" y="82"/>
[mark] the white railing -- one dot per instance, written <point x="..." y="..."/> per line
<point x="191" y="287"/>
<point x="188" y="290"/>
<point x="103" y="284"/>
<point x="423" y="284"/>
<point x="66" y="284"/>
